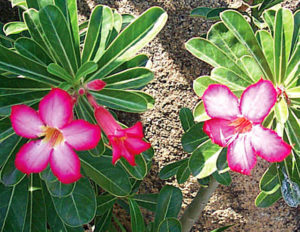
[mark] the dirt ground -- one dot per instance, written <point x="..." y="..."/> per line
<point x="175" y="69"/>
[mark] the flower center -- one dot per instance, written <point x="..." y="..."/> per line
<point x="241" y="125"/>
<point x="53" y="136"/>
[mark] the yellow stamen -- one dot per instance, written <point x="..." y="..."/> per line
<point x="242" y="125"/>
<point x="53" y="136"/>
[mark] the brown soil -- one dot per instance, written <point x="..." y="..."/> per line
<point x="175" y="69"/>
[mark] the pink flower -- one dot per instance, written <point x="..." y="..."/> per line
<point x="61" y="134"/>
<point x="96" y="85"/>
<point x="237" y="125"/>
<point x="125" y="142"/>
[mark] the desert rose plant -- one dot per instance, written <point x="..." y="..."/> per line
<point x="61" y="146"/>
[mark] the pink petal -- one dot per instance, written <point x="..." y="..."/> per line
<point x="65" y="164"/>
<point x="220" y="102"/>
<point x="268" y="145"/>
<point x="219" y="131"/>
<point x="257" y="100"/>
<point x="81" y="135"/>
<point x="96" y="85"/>
<point x="26" y="122"/>
<point x="56" y="108"/>
<point x="106" y="121"/>
<point x="120" y="150"/>
<point x="136" y="145"/>
<point x="136" y="130"/>
<point x="240" y="155"/>
<point x="33" y="157"/>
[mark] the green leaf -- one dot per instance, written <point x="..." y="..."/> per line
<point x="139" y="171"/>
<point x="13" y="205"/>
<point x="193" y="138"/>
<point x="58" y="35"/>
<point x="104" y="222"/>
<point x="136" y="217"/>
<point x="100" y="25"/>
<point x="267" y="45"/>
<point x="293" y="70"/>
<point x="105" y="203"/>
<point x="129" y="79"/>
<point x="183" y="172"/>
<point x="170" y="225"/>
<point x="126" y="20"/>
<point x="9" y="175"/>
<point x="200" y="11"/>
<point x="21" y="3"/>
<point x="150" y="100"/>
<point x="58" y="189"/>
<point x="200" y="113"/>
<point x="222" y="228"/>
<point x="201" y="84"/>
<point x="270" y="181"/>
<point x="14" y="28"/>
<point x="60" y="72"/>
<point x="293" y="92"/>
<point x="121" y="100"/>
<point x="85" y="69"/>
<point x="222" y="178"/>
<point x="238" y="25"/>
<point x="203" y="161"/>
<point x="168" y="205"/>
<point x="79" y="207"/>
<point x="147" y="201"/>
<point x="186" y="118"/>
<point x="170" y="170"/>
<point x="112" y="179"/>
<point x="6" y="146"/>
<point x="264" y="200"/>
<point x="292" y="130"/>
<point x="284" y="26"/>
<point x="32" y="50"/>
<point x="5" y="131"/>
<point x="290" y="192"/>
<point x="131" y="40"/>
<point x="281" y="111"/>
<point x="20" y="65"/>
<point x="269" y="18"/>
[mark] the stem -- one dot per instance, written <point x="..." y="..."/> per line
<point x="194" y="210"/>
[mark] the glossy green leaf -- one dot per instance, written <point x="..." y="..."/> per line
<point x="121" y="100"/>
<point x="85" y="69"/>
<point x="222" y="178"/>
<point x="58" y="189"/>
<point x="126" y="20"/>
<point x="14" y="28"/>
<point x="168" y="205"/>
<point x="170" y="170"/>
<point x="238" y="25"/>
<point x="131" y="40"/>
<point x="150" y="100"/>
<point x="252" y="68"/>
<point x="267" y="45"/>
<point x="203" y="161"/>
<point x="129" y="79"/>
<point x="200" y="113"/>
<point x="32" y="50"/>
<point x="5" y="130"/>
<point x="79" y="207"/>
<point x="9" y="175"/>
<point x="104" y="222"/>
<point x="58" y="35"/>
<point x="60" y="72"/>
<point x="269" y="18"/>
<point x="186" y="118"/>
<point x="183" y="172"/>
<point x="292" y="130"/>
<point x="100" y="25"/>
<point x="293" y="70"/>
<point x="13" y="205"/>
<point x="290" y="192"/>
<point x="193" y="138"/>
<point x="139" y="171"/>
<point x="264" y="200"/>
<point x="147" y="201"/>
<point x="20" y="65"/>
<point x="111" y="178"/>
<point x="200" y="11"/>
<point x="105" y="203"/>
<point x="293" y="92"/>
<point x="6" y="146"/>
<point x="270" y="181"/>
<point x="281" y="111"/>
<point x="201" y="84"/>
<point x="136" y="217"/>
<point x="170" y="225"/>
<point x="21" y="3"/>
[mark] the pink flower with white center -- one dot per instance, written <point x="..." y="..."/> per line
<point x="125" y="142"/>
<point x="237" y="125"/>
<point x="61" y="136"/>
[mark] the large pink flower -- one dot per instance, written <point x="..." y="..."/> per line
<point x="237" y="125"/>
<point x="125" y="142"/>
<point x="61" y="134"/>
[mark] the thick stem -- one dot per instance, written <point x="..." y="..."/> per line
<point x="194" y="210"/>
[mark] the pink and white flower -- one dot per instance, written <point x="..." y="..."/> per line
<point x="125" y="143"/>
<point x="237" y="125"/>
<point x="61" y="136"/>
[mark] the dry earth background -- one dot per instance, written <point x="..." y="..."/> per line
<point x="175" y="69"/>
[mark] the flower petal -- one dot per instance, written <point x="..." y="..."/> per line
<point x="120" y="150"/>
<point x="220" y="102"/>
<point x="136" y="130"/>
<point x="136" y="145"/>
<point x="96" y="85"/>
<point x="81" y="135"/>
<point x="65" y="164"/>
<point x="241" y="156"/>
<point x="26" y="122"/>
<point x="56" y="108"/>
<point x="268" y="145"/>
<point x="257" y="100"/>
<point x="106" y="121"/>
<point x="219" y="131"/>
<point x="33" y="157"/>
